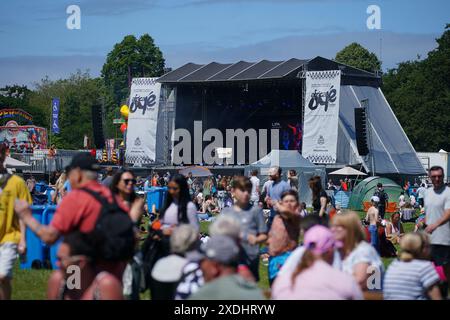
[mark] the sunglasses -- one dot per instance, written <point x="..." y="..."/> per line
<point x="127" y="181"/>
<point x="173" y="188"/>
<point x="436" y="176"/>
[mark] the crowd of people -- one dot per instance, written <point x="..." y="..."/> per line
<point x="104" y="228"/>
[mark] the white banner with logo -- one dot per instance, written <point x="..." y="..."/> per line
<point x="321" y="116"/>
<point x="142" y="121"/>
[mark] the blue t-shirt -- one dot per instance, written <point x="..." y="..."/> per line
<point x="277" y="189"/>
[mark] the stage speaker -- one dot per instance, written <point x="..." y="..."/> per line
<point x="97" y="126"/>
<point x="361" y="131"/>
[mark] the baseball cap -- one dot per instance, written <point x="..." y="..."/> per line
<point x="375" y="199"/>
<point x="219" y="248"/>
<point x="84" y="161"/>
<point x="319" y="240"/>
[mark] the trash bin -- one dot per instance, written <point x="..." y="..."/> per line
<point x="40" y="187"/>
<point x="156" y="196"/>
<point x="35" y="249"/>
<point x="49" y="212"/>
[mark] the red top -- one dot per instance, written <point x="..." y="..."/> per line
<point x="79" y="210"/>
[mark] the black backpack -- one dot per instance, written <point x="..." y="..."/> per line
<point x="114" y="230"/>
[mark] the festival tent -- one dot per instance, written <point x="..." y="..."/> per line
<point x="364" y="190"/>
<point x="389" y="146"/>
<point x="347" y="171"/>
<point x="14" y="163"/>
<point x="289" y="160"/>
<point x="197" y="171"/>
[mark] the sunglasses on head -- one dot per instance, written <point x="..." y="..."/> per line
<point x="127" y="181"/>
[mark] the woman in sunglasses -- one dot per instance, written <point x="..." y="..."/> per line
<point x="123" y="184"/>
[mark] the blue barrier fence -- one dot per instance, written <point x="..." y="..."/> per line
<point x="38" y="253"/>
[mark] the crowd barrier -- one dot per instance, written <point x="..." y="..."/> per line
<point x="38" y="253"/>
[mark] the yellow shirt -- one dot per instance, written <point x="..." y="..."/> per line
<point x="15" y="188"/>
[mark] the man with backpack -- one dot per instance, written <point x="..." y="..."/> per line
<point x="89" y="208"/>
<point x="383" y="196"/>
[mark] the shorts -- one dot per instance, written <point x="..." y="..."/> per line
<point x="8" y="255"/>
<point x="440" y="254"/>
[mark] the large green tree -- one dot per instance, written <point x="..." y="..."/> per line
<point x="131" y="58"/>
<point x="77" y="95"/>
<point x="16" y="96"/>
<point x="419" y="93"/>
<point x="357" y="56"/>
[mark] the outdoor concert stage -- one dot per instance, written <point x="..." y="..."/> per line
<point x="272" y="95"/>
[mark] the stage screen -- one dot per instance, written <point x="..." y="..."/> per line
<point x="240" y="106"/>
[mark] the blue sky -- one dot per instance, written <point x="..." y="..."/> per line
<point x="35" y="41"/>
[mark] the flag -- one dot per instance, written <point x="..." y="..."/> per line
<point x="55" y="115"/>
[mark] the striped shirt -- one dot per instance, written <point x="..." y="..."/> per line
<point x="409" y="280"/>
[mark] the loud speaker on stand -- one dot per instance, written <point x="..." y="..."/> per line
<point x="361" y="131"/>
<point x="97" y="126"/>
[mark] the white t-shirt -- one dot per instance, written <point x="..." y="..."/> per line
<point x="255" y="185"/>
<point x="363" y="253"/>
<point x="435" y="205"/>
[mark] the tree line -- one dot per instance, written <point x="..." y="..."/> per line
<point x="418" y="91"/>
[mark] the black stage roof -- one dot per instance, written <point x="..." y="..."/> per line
<point x="262" y="70"/>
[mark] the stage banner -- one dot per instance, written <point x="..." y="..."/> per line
<point x="55" y="115"/>
<point x="321" y="117"/>
<point x="142" y="121"/>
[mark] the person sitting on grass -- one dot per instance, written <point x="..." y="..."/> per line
<point x="394" y="229"/>
<point x="420" y="221"/>
<point x="77" y="252"/>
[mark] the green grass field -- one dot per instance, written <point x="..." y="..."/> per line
<point x="32" y="284"/>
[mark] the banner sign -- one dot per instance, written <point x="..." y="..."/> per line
<point x="321" y="116"/>
<point x="55" y="115"/>
<point x="142" y="121"/>
<point x="110" y="148"/>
